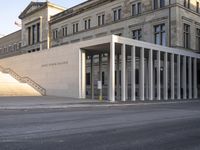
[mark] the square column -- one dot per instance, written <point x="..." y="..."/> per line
<point x="158" y="75"/>
<point x="178" y="77"/>
<point x="83" y="74"/>
<point x="92" y="76"/>
<point x="166" y="76"/>
<point x="142" y="74"/>
<point x="151" y="74"/>
<point x="123" y="70"/>
<point x="172" y="76"/>
<point x="133" y="73"/>
<point x="195" y="94"/>
<point x="190" y="77"/>
<point x="184" y="79"/>
<point x="112" y="73"/>
<point x="100" y="77"/>
<point x="108" y="76"/>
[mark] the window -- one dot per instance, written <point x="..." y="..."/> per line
<point x="15" y="47"/>
<point x="186" y="36"/>
<point x="136" y="9"/>
<point x="64" y="31"/>
<point x="159" y="4"/>
<point x="155" y="4"/>
<point x="160" y="34"/>
<point x="29" y="35"/>
<point x="38" y="32"/>
<point x="101" y="19"/>
<point x="187" y="3"/>
<point x="198" y="39"/>
<point x="33" y="34"/>
<point x="162" y="3"/>
<point x="75" y="27"/>
<point x="55" y="34"/>
<point x="10" y="48"/>
<point x="197" y="10"/>
<point x="117" y="14"/>
<point x="19" y="45"/>
<point x="87" y="24"/>
<point x="137" y="34"/>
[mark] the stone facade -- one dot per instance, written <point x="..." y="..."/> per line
<point x="10" y="44"/>
<point x="95" y="18"/>
<point x="173" y="14"/>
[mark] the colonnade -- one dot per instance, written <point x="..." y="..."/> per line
<point x="169" y="75"/>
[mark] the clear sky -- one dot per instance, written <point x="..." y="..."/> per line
<point x="11" y="9"/>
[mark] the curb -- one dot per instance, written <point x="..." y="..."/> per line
<point x="92" y="105"/>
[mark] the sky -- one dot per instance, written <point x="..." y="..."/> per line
<point x="11" y="9"/>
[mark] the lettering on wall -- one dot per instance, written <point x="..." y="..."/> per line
<point x="55" y="64"/>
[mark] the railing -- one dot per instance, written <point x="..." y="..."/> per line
<point x="27" y="80"/>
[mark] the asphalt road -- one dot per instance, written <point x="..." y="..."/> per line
<point x="145" y="127"/>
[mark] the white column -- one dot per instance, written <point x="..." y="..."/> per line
<point x="151" y="74"/>
<point x="142" y="74"/>
<point x="92" y="76"/>
<point x="178" y="77"/>
<point x="190" y="77"/>
<point x="100" y="76"/>
<point x="118" y="76"/>
<point x="108" y="76"/>
<point x="123" y="75"/>
<point x="126" y="77"/>
<point x="166" y="76"/>
<point x="184" y="79"/>
<point x="112" y="72"/>
<point x="195" y="78"/>
<point x="158" y="75"/>
<point x="41" y="36"/>
<point x="133" y="73"/>
<point x="83" y="74"/>
<point x="172" y="77"/>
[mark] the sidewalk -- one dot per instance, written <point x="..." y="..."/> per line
<point x="51" y="102"/>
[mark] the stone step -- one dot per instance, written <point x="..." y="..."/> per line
<point x="11" y="87"/>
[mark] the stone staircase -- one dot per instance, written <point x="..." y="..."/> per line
<point x="11" y="84"/>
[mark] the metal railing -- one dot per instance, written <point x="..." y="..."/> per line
<point x="27" y="80"/>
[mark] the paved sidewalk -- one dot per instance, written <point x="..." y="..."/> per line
<point x="51" y="102"/>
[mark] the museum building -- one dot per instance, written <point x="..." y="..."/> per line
<point x="108" y="49"/>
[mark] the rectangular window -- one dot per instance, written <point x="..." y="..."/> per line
<point x="162" y="3"/>
<point x="33" y="34"/>
<point x="187" y="3"/>
<point x="137" y="34"/>
<point x="155" y="4"/>
<point x="64" y="31"/>
<point x="197" y="10"/>
<point x="38" y="32"/>
<point x="198" y="39"/>
<point x="101" y="19"/>
<point x="55" y="34"/>
<point x="15" y="47"/>
<point x="75" y="27"/>
<point x="136" y="9"/>
<point x="117" y="14"/>
<point x="159" y="4"/>
<point x="29" y="35"/>
<point x="186" y="36"/>
<point x="87" y="24"/>
<point x="160" y="34"/>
